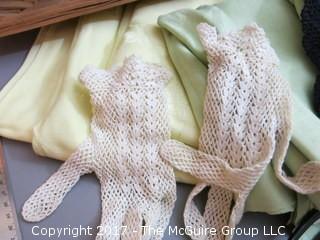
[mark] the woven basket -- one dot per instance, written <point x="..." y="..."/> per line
<point x="21" y="15"/>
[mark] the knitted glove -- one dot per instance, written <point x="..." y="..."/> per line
<point x="247" y="121"/>
<point x="127" y="128"/>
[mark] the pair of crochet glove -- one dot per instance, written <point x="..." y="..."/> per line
<point x="247" y="122"/>
<point x="128" y="126"/>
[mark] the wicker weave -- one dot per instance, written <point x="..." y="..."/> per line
<point x="21" y="15"/>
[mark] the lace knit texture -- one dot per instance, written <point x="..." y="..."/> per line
<point x="128" y="126"/>
<point x="247" y="122"/>
<point x="310" y="18"/>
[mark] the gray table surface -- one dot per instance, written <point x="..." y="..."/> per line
<point x="26" y="171"/>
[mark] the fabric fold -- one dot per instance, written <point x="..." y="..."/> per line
<point x="231" y="15"/>
<point x="26" y="89"/>
<point x="71" y="111"/>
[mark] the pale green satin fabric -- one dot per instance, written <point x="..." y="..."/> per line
<point x="282" y="27"/>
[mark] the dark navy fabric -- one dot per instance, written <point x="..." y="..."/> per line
<point x="310" y="18"/>
<point x="316" y="95"/>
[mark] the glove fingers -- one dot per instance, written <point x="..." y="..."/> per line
<point x="217" y="210"/>
<point x="211" y="169"/>
<point x="183" y="157"/>
<point x="49" y="196"/>
<point x="150" y="218"/>
<point x="192" y="216"/>
<point x="133" y="225"/>
<point x="237" y="209"/>
<point x="160" y="219"/>
<point x="306" y="181"/>
<point x="308" y="177"/>
<point x="114" y="206"/>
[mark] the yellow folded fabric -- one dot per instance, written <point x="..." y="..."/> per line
<point x="26" y="97"/>
<point x="52" y="110"/>
<point x="66" y="123"/>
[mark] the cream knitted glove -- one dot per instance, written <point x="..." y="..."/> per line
<point x="128" y="126"/>
<point x="247" y="122"/>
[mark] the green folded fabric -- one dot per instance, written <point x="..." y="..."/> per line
<point x="282" y="27"/>
<point x="298" y="4"/>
